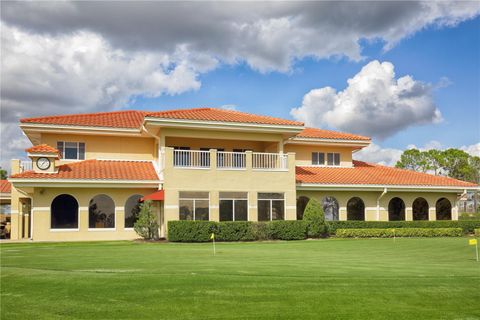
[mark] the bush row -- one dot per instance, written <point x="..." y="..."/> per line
<point x="401" y="232"/>
<point x="200" y="231"/>
<point x="467" y="226"/>
<point x="477" y="232"/>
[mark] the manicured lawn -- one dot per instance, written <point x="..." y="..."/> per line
<point x="330" y="279"/>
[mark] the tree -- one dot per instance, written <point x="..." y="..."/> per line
<point x="314" y="217"/>
<point x="3" y="174"/>
<point x="147" y="225"/>
<point x="413" y="159"/>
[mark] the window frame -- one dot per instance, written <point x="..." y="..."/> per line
<point x="271" y="205"/>
<point x="51" y="229"/>
<point x="194" y="205"/>
<point x="318" y="153"/>
<point x="333" y="159"/>
<point x="78" y="143"/>
<point x="233" y="205"/>
<point x="114" y="215"/>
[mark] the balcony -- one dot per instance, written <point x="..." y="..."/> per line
<point x="26" y="165"/>
<point x="222" y="160"/>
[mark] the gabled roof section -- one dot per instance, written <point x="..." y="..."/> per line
<point x="364" y="173"/>
<point x="221" y="115"/>
<point x="105" y="170"/>
<point x="314" y="133"/>
<point x="5" y="186"/>
<point x="43" y="149"/>
<point x="130" y="119"/>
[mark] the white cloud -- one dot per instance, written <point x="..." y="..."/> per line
<point x="374" y="103"/>
<point x="473" y="149"/>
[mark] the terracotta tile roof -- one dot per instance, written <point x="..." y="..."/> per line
<point x="117" y="119"/>
<point x="5" y="186"/>
<point x="212" y="114"/>
<point x="42" y="148"/>
<point x="314" y="133"/>
<point x="98" y="170"/>
<point x="367" y="173"/>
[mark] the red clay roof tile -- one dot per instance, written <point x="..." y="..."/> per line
<point x="98" y="170"/>
<point x="364" y="173"/>
<point x="42" y="148"/>
<point x="5" y="186"/>
<point x="314" y="133"/>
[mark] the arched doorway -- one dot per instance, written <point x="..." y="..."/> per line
<point x="330" y="208"/>
<point x="301" y="205"/>
<point x="443" y="209"/>
<point x="356" y="209"/>
<point x="396" y="210"/>
<point x="64" y="212"/>
<point x="420" y="209"/>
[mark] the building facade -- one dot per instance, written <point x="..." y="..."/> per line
<point x="89" y="172"/>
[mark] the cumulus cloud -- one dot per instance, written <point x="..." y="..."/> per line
<point x="374" y="103"/>
<point x="473" y="149"/>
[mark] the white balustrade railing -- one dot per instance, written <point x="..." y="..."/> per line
<point x="231" y="160"/>
<point x="269" y="161"/>
<point x="191" y="159"/>
<point x="26" y="165"/>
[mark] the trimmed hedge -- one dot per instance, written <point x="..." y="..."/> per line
<point x="401" y="232"/>
<point x="477" y="232"/>
<point x="315" y="219"/>
<point x="200" y="231"/>
<point x="467" y="226"/>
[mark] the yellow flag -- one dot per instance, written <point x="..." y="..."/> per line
<point x="472" y="242"/>
<point x="212" y="236"/>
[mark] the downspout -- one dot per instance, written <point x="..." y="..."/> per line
<point x="378" y="203"/>
<point x="159" y="164"/>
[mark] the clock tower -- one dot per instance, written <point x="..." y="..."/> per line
<point x="43" y="158"/>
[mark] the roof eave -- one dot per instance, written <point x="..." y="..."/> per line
<point x="381" y="187"/>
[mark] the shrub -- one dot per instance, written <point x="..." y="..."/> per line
<point x="401" y="232"/>
<point x="191" y="231"/>
<point x="146" y="225"/>
<point x="315" y="219"/>
<point x="477" y="232"/>
<point x="260" y="230"/>
<point x="235" y="231"/>
<point x="287" y="230"/>
<point x="467" y="225"/>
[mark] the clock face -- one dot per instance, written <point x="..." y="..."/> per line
<point x="43" y="163"/>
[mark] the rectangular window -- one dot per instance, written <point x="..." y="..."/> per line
<point x="271" y="206"/>
<point x="233" y="206"/>
<point x="194" y="205"/>
<point x="333" y="159"/>
<point x="71" y="150"/>
<point x="318" y="158"/>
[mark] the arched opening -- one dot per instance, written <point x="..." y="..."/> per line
<point x="420" y="209"/>
<point x="301" y="205"/>
<point x="132" y="209"/>
<point x="396" y="210"/>
<point x="101" y="212"/>
<point x="64" y="212"/>
<point x="443" y="209"/>
<point x="330" y="208"/>
<point x="355" y="209"/>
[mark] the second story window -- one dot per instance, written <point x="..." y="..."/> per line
<point x="71" y="150"/>
<point x="333" y="159"/>
<point x="318" y="158"/>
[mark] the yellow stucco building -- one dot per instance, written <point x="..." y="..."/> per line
<point x="88" y="173"/>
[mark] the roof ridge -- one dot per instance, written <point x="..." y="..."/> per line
<point x="82" y="114"/>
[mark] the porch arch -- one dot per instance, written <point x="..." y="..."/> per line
<point x="64" y="212"/>
<point x="396" y="209"/>
<point x="420" y="209"/>
<point x="356" y="209"/>
<point x="443" y="209"/>
<point x="302" y="202"/>
<point x="101" y="212"/>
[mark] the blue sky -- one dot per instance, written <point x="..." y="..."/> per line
<point x="430" y="55"/>
<point x="285" y="59"/>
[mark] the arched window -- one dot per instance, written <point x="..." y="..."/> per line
<point x="396" y="209"/>
<point x="420" y="209"/>
<point x="301" y="205"/>
<point x="101" y="212"/>
<point x="355" y="209"/>
<point x="64" y="212"/>
<point x="132" y="209"/>
<point x="330" y="208"/>
<point x="443" y="209"/>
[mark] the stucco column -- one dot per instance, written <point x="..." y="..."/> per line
<point x="342" y="214"/>
<point x="83" y="219"/>
<point x="431" y="214"/>
<point x="408" y="214"/>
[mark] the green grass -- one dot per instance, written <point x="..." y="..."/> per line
<point x="418" y="279"/>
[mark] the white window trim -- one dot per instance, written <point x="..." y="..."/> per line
<point x="233" y="205"/>
<point x="324" y="158"/>
<point x="271" y="206"/>
<point x="194" y="206"/>
<point x="334" y="165"/>
<point x="78" y="150"/>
